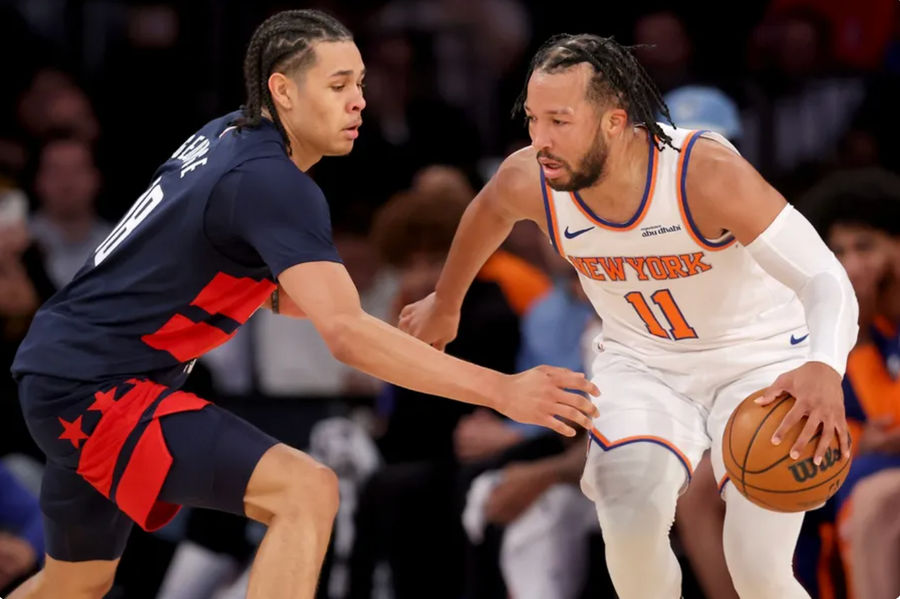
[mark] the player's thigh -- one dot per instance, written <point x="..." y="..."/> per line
<point x="80" y="524"/>
<point x="727" y="400"/>
<point x="637" y="409"/>
<point x="215" y="455"/>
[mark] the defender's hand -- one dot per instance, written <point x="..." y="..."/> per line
<point x="539" y="395"/>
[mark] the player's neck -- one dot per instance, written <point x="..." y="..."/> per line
<point x="301" y="154"/>
<point x="617" y="195"/>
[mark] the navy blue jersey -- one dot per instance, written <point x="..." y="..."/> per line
<point x="190" y="262"/>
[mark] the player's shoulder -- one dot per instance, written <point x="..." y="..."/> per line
<point x="715" y="166"/>
<point x="518" y="176"/>
<point x="276" y="175"/>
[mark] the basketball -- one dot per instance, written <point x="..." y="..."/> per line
<point x="765" y="473"/>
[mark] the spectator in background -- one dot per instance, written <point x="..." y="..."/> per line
<point x="21" y="531"/>
<point x="473" y="45"/>
<point x="53" y="102"/>
<point x="799" y="104"/>
<point x="858" y="214"/>
<point x="23" y="287"/>
<point x="66" y="224"/>
<point x="705" y="107"/>
<point x="665" y="49"/>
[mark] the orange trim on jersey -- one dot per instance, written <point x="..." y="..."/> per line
<point x="607" y="445"/>
<point x="553" y="223"/>
<point x="722" y="482"/>
<point x="634" y="221"/>
<point x="683" y="208"/>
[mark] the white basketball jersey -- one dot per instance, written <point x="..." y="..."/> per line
<point x="656" y="283"/>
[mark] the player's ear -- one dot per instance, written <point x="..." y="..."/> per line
<point x="614" y="121"/>
<point x="281" y="87"/>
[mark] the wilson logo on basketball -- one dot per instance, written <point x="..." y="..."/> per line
<point x="806" y="469"/>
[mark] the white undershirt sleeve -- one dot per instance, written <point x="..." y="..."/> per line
<point x="793" y="253"/>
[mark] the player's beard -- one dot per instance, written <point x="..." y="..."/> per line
<point x="591" y="168"/>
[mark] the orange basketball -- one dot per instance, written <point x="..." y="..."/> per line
<point x="765" y="473"/>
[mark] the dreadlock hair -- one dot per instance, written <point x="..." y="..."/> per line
<point x="283" y="44"/>
<point x="617" y="76"/>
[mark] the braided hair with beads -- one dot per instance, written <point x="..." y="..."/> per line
<point x="283" y="43"/>
<point x="618" y="77"/>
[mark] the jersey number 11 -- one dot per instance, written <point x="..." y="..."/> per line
<point x="678" y="327"/>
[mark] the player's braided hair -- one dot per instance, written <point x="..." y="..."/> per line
<point x="283" y="44"/>
<point x="618" y="77"/>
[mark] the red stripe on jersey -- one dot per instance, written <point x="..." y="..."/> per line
<point x="236" y="298"/>
<point x="101" y="451"/>
<point x="186" y="339"/>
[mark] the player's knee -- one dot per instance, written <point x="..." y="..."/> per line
<point x="309" y="491"/>
<point x="760" y="575"/>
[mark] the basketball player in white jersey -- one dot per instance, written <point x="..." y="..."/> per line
<point x="710" y="286"/>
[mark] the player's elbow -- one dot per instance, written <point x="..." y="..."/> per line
<point x="340" y="334"/>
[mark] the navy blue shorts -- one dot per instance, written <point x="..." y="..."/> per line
<point x="131" y="451"/>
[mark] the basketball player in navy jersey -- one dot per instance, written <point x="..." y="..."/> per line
<point x="710" y="287"/>
<point x="229" y="222"/>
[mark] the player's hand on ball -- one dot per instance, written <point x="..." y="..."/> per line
<point x="431" y="321"/>
<point x="819" y="397"/>
<point x="539" y="395"/>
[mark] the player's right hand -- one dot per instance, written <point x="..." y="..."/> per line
<point x="431" y="321"/>
<point x="539" y="395"/>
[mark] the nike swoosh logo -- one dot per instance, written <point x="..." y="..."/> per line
<point x="575" y="234"/>
<point x="795" y="341"/>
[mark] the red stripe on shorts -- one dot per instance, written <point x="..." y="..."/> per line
<point x="101" y="451"/>
<point x="138" y="492"/>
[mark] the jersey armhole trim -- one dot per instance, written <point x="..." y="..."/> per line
<point x="681" y="189"/>
<point x="550" y="211"/>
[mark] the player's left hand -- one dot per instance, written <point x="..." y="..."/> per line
<point x="816" y="388"/>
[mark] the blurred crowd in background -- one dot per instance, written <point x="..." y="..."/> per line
<point x="440" y="500"/>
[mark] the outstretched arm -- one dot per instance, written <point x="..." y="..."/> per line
<point x="324" y="291"/>
<point x="512" y="194"/>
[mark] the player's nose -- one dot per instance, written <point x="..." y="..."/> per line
<point x="358" y="103"/>
<point x="540" y="140"/>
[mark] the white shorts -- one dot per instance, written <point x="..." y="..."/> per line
<point x="685" y="405"/>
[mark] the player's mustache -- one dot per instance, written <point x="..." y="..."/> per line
<point x="548" y="156"/>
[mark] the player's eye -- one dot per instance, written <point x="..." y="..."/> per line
<point x="558" y="122"/>
<point x="338" y="88"/>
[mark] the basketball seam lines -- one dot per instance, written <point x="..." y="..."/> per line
<point x="753" y="439"/>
